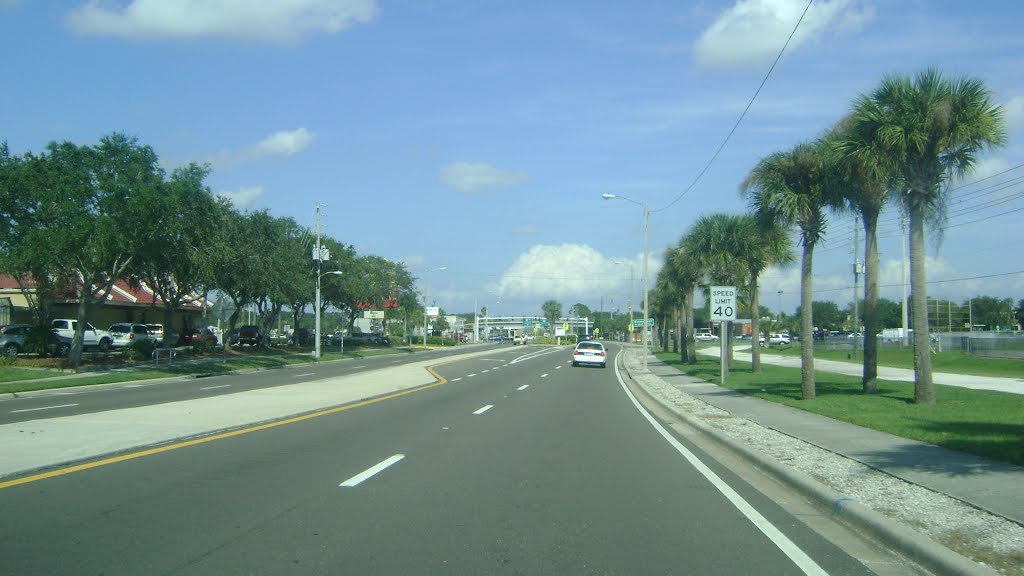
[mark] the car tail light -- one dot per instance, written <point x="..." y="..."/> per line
<point x="600" y="353"/>
<point x="131" y="335"/>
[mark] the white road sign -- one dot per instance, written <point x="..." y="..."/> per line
<point x="723" y="303"/>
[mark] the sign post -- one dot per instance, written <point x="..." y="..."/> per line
<point x="723" y="309"/>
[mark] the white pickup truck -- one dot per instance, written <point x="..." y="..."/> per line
<point x="92" y="338"/>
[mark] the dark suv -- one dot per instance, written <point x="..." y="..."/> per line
<point x="248" y="334"/>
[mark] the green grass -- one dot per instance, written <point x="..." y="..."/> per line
<point x="956" y="362"/>
<point x="986" y="423"/>
<point x="26" y="380"/>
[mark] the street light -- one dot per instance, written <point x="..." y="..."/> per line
<point x="316" y="352"/>
<point x="630" y="302"/>
<point x="426" y="295"/>
<point x="647" y="213"/>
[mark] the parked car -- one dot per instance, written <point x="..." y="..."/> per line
<point x="13" y="337"/>
<point x="301" y="336"/>
<point x="157" y="330"/>
<point x="193" y="336"/>
<point x="92" y="338"/>
<point x="520" y="339"/>
<point x="777" y="339"/>
<point x="589" y="352"/>
<point x="705" y="337"/>
<point x="247" y="334"/>
<point x="126" y="334"/>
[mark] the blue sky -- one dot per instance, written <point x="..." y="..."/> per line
<point x="479" y="135"/>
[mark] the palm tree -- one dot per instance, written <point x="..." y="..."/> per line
<point x="760" y="243"/>
<point x="930" y="129"/>
<point x="864" y="183"/>
<point x="713" y="246"/>
<point x="684" y="275"/>
<point x="789" y="188"/>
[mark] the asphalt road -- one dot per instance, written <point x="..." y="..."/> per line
<point x="515" y="466"/>
<point x="60" y="402"/>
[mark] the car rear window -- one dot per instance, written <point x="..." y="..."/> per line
<point x="589" y="346"/>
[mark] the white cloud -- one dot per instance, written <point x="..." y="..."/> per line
<point x="265" y="20"/>
<point x="751" y="32"/>
<point x="470" y="177"/>
<point x="573" y="273"/>
<point x="1014" y="111"/>
<point x="244" y="197"/>
<point x="284" y="143"/>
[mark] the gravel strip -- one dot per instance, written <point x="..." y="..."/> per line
<point x="985" y="538"/>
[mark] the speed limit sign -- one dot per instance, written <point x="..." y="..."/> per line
<point x="723" y="303"/>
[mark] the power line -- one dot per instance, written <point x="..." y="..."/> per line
<point x="742" y="116"/>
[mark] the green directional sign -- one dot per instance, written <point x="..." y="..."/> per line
<point x="640" y="322"/>
<point x="527" y="321"/>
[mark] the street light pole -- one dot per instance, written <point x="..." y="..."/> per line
<point x="629" y="301"/>
<point x="426" y="295"/>
<point x="647" y="214"/>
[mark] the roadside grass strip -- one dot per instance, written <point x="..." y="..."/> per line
<point x="985" y="423"/>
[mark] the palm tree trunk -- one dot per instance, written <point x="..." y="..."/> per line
<point x="870" y="303"/>
<point x="691" y="345"/>
<point x="755" y="325"/>
<point x="678" y="325"/>
<point x="806" y="325"/>
<point x="924" y="393"/>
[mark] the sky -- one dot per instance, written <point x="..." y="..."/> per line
<point x="478" y="136"/>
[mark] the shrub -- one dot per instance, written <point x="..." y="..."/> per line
<point x="140" y="350"/>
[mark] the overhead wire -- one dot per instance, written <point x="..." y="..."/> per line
<point x="743" y="115"/>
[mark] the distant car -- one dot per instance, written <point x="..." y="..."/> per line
<point x="519" y="339"/>
<point x="157" y="330"/>
<point x="301" y="336"/>
<point x="777" y="339"/>
<point x="12" y="338"/>
<point x="705" y="337"/>
<point x="247" y="334"/>
<point x="193" y="336"/>
<point x="589" y="352"/>
<point x="123" y="335"/>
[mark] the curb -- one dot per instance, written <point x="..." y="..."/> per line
<point x="915" y="546"/>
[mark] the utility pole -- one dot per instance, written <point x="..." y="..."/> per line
<point x="856" y="285"/>
<point x="903" y="278"/>
<point x="316" y="259"/>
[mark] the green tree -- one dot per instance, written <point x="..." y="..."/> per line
<point x="175" y="260"/>
<point x="683" y="273"/>
<point x="1018" y="313"/>
<point x="88" y="213"/>
<point x="791" y="189"/>
<point x="864" y="183"/>
<point x="991" y="311"/>
<point x="761" y="243"/>
<point x="552" y="310"/>
<point x="930" y="130"/>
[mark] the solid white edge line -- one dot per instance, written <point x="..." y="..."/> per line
<point x="215" y="387"/>
<point x="371" y="471"/>
<point x="798" y="556"/>
<point x="43" y="408"/>
<point x="523" y="387"/>
<point x="484" y="409"/>
<point x="306" y="374"/>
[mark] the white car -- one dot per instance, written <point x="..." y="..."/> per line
<point x="705" y="337"/>
<point x="776" y="339"/>
<point x="589" y="352"/>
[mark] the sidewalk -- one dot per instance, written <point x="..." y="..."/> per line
<point x="1011" y="385"/>
<point x="990" y="486"/>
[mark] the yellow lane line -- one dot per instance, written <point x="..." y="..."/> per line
<point x="115" y="459"/>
